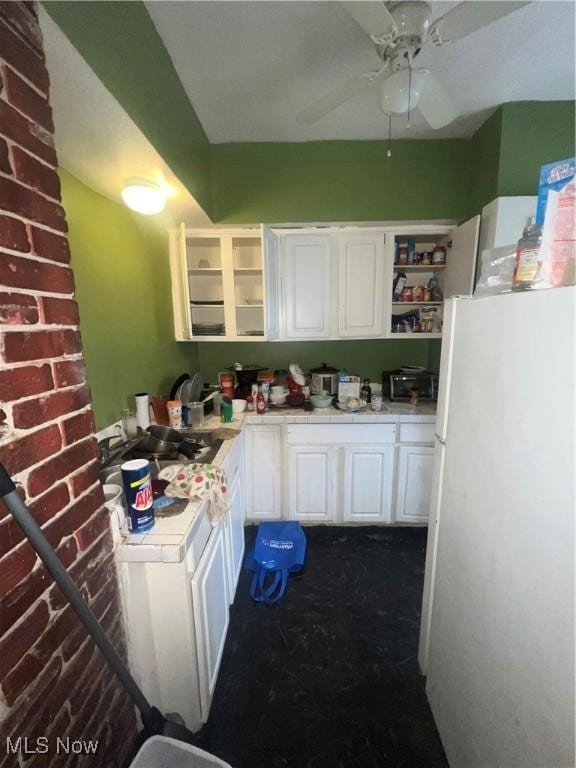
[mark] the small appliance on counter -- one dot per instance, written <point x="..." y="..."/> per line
<point x="401" y="384"/>
<point x="324" y="380"/>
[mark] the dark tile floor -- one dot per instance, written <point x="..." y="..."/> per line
<point x="328" y="678"/>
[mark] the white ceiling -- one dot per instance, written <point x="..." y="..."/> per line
<point x="95" y="139"/>
<point x="249" y="67"/>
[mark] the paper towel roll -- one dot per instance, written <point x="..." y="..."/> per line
<point x="142" y="409"/>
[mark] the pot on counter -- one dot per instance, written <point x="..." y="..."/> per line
<point x="324" y="379"/>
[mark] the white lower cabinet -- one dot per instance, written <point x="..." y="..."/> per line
<point x="311" y="481"/>
<point x="368" y="482"/>
<point x="210" y="599"/>
<point x="263" y="452"/>
<point x="414" y="483"/>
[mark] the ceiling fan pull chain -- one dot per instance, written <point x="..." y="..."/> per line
<point x="409" y="90"/>
<point x="389" y="150"/>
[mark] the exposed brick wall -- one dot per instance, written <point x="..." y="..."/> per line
<point x="53" y="681"/>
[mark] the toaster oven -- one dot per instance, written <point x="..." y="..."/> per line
<point x="398" y="386"/>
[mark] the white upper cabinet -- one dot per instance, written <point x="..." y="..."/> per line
<point x="360" y="285"/>
<point x="333" y="282"/>
<point x="306" y="276"/>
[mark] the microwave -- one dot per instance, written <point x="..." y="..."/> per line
<point x="399" y="386"/>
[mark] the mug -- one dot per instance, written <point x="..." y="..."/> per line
<point x="278" y="391"/>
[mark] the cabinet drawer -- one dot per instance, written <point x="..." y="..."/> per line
<point x="417" y="433"/>
<point x="346" y="434"/>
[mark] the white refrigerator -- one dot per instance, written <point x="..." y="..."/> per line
<point x="497" y="633"/>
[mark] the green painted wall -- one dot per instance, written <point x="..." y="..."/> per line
<point x="120" y="43"/>
<point x="339" y="181"/>
<point x="484" y="163"/>
<point x="365" y="358"/>
<point x="533" y="133"/>
<point x="122" y="277"/>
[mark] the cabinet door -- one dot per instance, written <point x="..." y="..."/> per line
<point x="235" y="535"/>
<point x="307" y="295"/>
<point x="361" y="285"/>
<point x="263" y="472"/>
<point x="414" y="483"/>
<point x="271" y="246"/>
<point x="368" y="479"/>
<point x="461" y="251"/>
<point x="311" y="478"/>
<point x="210" y="593"/>
<point x="180" y="287"/>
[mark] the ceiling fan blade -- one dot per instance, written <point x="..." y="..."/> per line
<point x="337" y="96"/>
<point x="372" y="15"/>
<point x="467" y="17"/>
<point x="435" y="104"/>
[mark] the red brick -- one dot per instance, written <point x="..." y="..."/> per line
<point x="24" y="23"/>
<point x="50" y="245"/>
<point x="13" y="234"/>
<point x="27" y="100"/>
<point x="18" y="272"/>
<point x="35" y="174"/>
<point x="101" y="575"/>
<point x="18" y="309"/>
<point x="41" y="478"/>
<point x="70" y="678"/>
<point x="26" y="451"/>
<point x="84" y="568"/>
<point x="25" y="133"/>
<point x="19" y="600"/>
<point x="14" y="645"/>
<point x="25" y="381"/>
<point x="35" y="697"/>
<point x="69" y="372"/>
<point x="16" y="198"/>
<point x="60" y="311"/>
<point x="85" y="479"/>
<point x="22" y="346"/>
<point x="45" y="507"/>
<point x="60" y="627"/>
<point x="94" y="528"/>
<point x="5" y="166"/>
<point x="32" y="413"/>
<point x="75" y="516"/>
<point x="79" y="426"/>
<point x="10" y="535"/>
<point x="16" y="566"/>
<point x="67" y="552"/>
<point x="23" y="58"/>
<point x="20" y="678"/>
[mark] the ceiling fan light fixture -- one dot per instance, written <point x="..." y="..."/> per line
<point x="412" y="19"/>
<point x="143" y="196"/>
<point x="395" y="94"/>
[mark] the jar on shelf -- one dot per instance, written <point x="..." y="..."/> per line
<point x="403" y="253"/>
<point x="439" y="255"/>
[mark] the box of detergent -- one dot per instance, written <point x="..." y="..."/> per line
<point x="553" y="177"/>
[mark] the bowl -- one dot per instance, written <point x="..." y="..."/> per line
<point x="238" y="406"/>
<point x="321" y="401"/>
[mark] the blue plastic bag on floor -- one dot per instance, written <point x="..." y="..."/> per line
<point x="279" y="549"/>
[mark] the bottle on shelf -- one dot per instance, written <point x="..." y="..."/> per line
<point x="260" y="402"/>
<point x="366" y="392"/>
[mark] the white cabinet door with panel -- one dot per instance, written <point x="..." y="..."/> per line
<point x="311" y="483"/>
<point x="415" y="464"/>
<point x="306" y="286"/>
<point x="235" y="534"/>
<point x="263" y="463"/>
<point x="368" y="481"/>
<point x="210" y="600"/>
<point x="461" y="252"/>
<point x="361" y="285"/>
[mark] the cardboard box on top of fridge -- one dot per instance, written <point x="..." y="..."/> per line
<point x="558" y="248"/>
<point x="553" y="177"/>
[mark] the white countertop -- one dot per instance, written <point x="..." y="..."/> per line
<point x="169" y="539"/>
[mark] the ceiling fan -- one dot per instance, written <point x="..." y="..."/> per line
<point x="399" y="31"/>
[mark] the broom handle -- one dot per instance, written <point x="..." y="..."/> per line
<point x="61" y="576"/>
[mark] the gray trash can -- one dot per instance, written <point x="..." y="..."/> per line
<point x="162" y="752"/>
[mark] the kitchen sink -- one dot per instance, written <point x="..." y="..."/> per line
<point x="124" y="451"/>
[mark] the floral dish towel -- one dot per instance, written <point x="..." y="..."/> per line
<point x="198" y="481"/>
